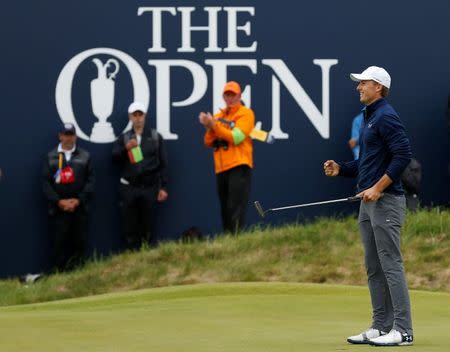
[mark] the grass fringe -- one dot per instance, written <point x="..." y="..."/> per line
<point x="326" y="250"/>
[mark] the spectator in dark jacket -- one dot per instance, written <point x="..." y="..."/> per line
<point x="68" y="183"/>
<point x="141" y="155"/>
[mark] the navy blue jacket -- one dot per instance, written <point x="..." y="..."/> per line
<point x="385" y="149"/>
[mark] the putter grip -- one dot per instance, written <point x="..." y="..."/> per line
<point x="354" y="199"/>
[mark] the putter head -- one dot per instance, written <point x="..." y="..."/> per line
<point x="259" y="209"/>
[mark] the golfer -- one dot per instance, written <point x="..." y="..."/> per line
<point x="385" y="152"/>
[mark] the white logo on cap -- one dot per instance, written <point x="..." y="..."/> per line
<point x="102" y="91"/>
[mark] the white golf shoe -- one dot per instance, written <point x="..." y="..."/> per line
<point x="365" y="336"/>
<point x="394" y="338"/>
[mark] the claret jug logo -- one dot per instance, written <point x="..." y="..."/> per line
<point x="229" y="30"/>
<point x="102" y="90"/>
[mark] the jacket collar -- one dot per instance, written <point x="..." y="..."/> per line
<point x="232" y="110"/>
<point x="145" y="132"/>
<point x="60" y="150"/>
<point x="370" y="109"/>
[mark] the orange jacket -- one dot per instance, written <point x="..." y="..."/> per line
<point x="240" y="146"/>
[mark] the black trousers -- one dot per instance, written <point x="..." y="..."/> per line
<point x="138" y="206"/>
<point x="68" y="237"/>
<point x="233" y="187"/>
<point x="412" y="201"/>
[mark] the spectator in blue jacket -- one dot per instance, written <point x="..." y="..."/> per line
<point x="385" y="152"/>
<point x="353" y="142"/>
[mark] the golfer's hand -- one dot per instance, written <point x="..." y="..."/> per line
<point x="370" y="195"/>
<point x="132" y="143"/>
<point x="162" y="196"/>
<point x="331" y="168"/>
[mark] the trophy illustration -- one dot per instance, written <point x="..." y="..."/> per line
<point x="102" y="99"/>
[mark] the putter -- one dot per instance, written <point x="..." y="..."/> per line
<point x="263" y="212"/>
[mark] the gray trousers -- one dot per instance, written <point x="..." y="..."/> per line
<point x="380" y="224"/>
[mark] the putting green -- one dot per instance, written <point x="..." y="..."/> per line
<point x="218" y="317"/>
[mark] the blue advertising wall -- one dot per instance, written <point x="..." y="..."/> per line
<point x="294" y="58"/>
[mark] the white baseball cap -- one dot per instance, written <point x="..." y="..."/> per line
<point x="373" y="73"/>
<point x="136" y="106"/>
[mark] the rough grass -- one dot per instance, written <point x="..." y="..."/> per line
<point x="324" y="251"/>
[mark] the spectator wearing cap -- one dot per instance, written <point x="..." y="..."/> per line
<point x="384" y="154"/>
<point x="141" y="156"/>
<point x="68" y="184"/>
<point x="227" y="133"/>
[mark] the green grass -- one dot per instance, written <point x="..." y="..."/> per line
<point x="250" y="317"/>
<point x="323" y="251"/>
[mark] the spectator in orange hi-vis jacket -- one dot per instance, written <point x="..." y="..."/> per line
<point x="227" y="133"/>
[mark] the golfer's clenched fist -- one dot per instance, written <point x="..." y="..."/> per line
<point x="331" y="168"/>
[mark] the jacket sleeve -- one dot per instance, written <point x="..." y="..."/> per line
<point x="209" y="138"/>
<point x="47" y="182"/>
<point x="244" y="125"/>
<point x="349" y="168"/>
<point x="394" y="135"/>
<point x="119" y="152"/>
<point x="163" y="163"/>
<point x="88" y="188"/>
